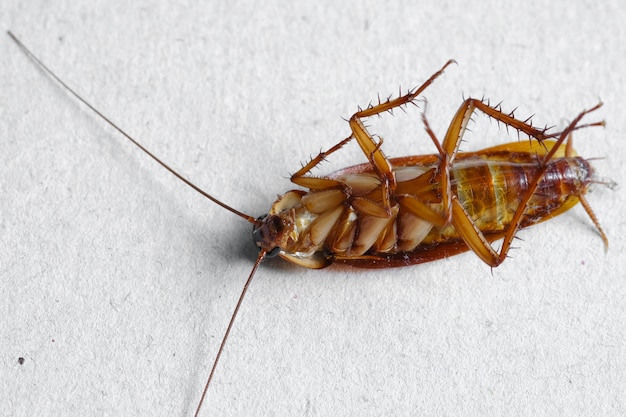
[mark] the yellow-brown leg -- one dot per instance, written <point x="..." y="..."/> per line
<point x="368" y="145"/>
<point x="447" y="153"/>
<point x="464" y="225"/>
<point x="569" y="152"/>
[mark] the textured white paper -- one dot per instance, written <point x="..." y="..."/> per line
<point x="118" y="281"/>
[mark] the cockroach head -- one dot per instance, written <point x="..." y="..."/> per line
<point x="271" y="233"/>
<point x="276" y="231"/>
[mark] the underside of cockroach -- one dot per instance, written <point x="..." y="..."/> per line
<point x="404" y="211"/>
<point x="324" y="226"/>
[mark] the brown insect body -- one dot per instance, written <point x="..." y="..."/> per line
<point x="403" y="211"/>
<point x="318" y="227"/>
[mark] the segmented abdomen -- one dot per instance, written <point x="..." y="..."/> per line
<point x="490" y="192"/>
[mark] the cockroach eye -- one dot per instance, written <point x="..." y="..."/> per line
<point x="273" y="253"/>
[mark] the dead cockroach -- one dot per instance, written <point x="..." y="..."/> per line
<point x="404" y="211"/>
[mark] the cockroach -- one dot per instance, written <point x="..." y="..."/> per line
<point x="392" y="212"/>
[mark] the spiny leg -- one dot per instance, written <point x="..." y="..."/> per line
<point x="389" y="105"/>
<point x="447" y="153"/>
<point x="569" y="152"/>
<point x="594" y="219"/>
<point x="458" y="126"/>
<point x="517" y="218"/>
<point x="448" y="150"/>
<point x="474" y="237"/>
<point x="316" y="183"/>
<point x="368" y="145"/>
<point x="371" y="149"/>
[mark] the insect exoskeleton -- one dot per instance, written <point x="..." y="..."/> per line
<point x="414" y="209"/>
<point x="349" y="224"/>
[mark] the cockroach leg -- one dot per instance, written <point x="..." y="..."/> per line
<point x="376" y="157"/>
<point x="461" y="220"/>
<point x="300" y="177"/>
<point x="445" y="165"/>
<point x="517" y="218"/>
<point x="458" y="126"/>
<point x="569" y="152"/>
<point x="595" y="221"/>
<point x="369" y="146"/>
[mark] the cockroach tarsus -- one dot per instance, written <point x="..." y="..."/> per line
<point x="392" y="212"/>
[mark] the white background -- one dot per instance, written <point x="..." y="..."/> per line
<point x="117" y="281"/>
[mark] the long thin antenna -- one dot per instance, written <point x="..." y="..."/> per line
<point x="258" y="261"/>
<point x="49" y="72"/>
<point x="251" y="219"/>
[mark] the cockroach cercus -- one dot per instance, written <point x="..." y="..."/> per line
<point x="391" y="212"/>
